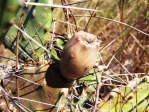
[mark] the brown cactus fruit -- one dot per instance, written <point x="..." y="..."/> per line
<point x="79" y="55"/>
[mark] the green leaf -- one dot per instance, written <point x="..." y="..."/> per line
<point x="60" y="42"/>
<point x="54" y="54"/>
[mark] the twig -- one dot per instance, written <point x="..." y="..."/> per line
<point x="59" y="6"/>
<point x="12" y="100"/>
<point x="18" y="36"/>
<point x="137" y="41"/>
<point x="6" y="100"/>
<point x="125" y="24"/>
<point x="71" y="14"/>
<point x="77" y="2"/>
<point x="31" y="38"/>
<point x="17" y="105"/>
<point x="91" y="17"/>
<point x="121" y="7"/>
<point x="26" y="79"/>
<point x="122" y="66"/>
<point x="97" y="92"/>
<point x="17" y="48"/>
<point x="69" y="23"/>
<point x="10" y="58"/>
<point x="35" y="101"/>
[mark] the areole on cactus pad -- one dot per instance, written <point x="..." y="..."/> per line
<point x="79" y="55"/>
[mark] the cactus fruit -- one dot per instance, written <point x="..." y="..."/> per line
<point x="79" y="55"/>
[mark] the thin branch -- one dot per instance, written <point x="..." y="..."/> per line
<point x="20" y="49"/>
<point x="35" y="101"/>
<point x="77" y="2"/>
<point x="71" y="14"/>
<point x="59" y="6"/>
<point x="125" y="24"/>
<point x="137" y="41"/>
<point x="26" y="79"/>
<point x="91" y="16"/>
<point x="17" y="48"/>
<point x="10" y="58"/>
<point x="122" y="66"/>
<point x="31" y="38"/>
<point x="13" y="101"/>
<point x="97" y="92"/>
<point x="67" y="23"/>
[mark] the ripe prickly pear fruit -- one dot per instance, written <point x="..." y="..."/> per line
<point x="79" y="55"/>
